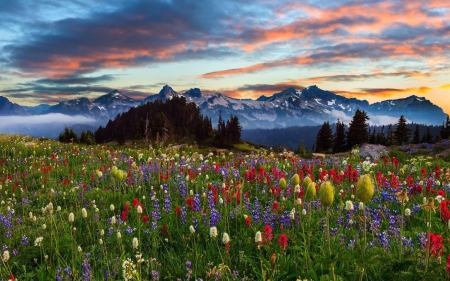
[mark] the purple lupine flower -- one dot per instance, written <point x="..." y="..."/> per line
<point x="167" y="203"/>
<point x="86" y="267"/>
<point x="183" y="189"/>
<point x="211" y="200"/>
<point x="197" y="203"/>
<point x="183" y="215"/>
<point x="256" y="210"/>
<point x="24" y="241"/>
<point x="214" y="218"/>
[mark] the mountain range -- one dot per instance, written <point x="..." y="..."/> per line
<point x="307" y="107"/>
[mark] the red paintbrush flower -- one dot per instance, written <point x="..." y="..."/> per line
<point x="283" y="241"/>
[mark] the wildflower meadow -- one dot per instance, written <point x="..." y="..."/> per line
<point x="76" y="212"/>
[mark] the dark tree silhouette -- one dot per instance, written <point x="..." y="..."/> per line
<point x="339" y="144"/>
<point x="416" y="135"/>
<point x="402" y="132"/>
<point x="324" y="139"/>
<point x="357" y="133"/>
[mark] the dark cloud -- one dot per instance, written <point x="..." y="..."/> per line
<point x="133" y="35"/>
<point x="359" y="77"/>
<point x="76" y="80"/>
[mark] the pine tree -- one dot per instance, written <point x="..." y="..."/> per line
<point x="339" y="144"/>
<point x="357" y="132"/>
<point x="402" y="132"/>
<point x="302" y="150"/>
<point x="373" y="138"/>
<point x="416" y="135"/>
<point x="429" y="136"/>
<point x="390" y="138"/>
<point x="445" y="129"/>
<point x="325" y="138"/>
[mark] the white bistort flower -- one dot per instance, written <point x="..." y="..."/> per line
<point x="225" y="238"/>
<point x="213" y="232"/>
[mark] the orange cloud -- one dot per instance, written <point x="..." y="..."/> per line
<point x="383" y="92"/>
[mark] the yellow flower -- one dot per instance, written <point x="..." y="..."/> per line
<point x="295" y="180"/>
<point x="364" y="188"/>
<point x="282" y="183"/>
<point x="326" y="193"/>
<point x="306" y="182"/>
<point x="310" y="191"/>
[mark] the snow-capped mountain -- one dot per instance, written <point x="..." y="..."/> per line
<point x="104" y="107"/>
<point x="307" y="107"/>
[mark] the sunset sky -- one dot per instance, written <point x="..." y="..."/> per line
<point x="54" y="50"/>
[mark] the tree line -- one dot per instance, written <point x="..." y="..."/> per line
<point x="173" y="120"/>
<point x="359" y="132"/>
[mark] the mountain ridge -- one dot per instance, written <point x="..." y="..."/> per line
<point x="307" y="107"/>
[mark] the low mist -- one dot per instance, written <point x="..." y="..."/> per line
<point x="47" y="125"/>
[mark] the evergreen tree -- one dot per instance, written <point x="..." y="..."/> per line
<point x="87" y="137"/>
<point x="445" y="129"/>
<point x="416" y="135"/>
<point x="302" y="150"/>
<point x="402" y="132"/>
<point x="373" y="138"/>
<point x="324" y="138"/>
<point x="68" y="136"/>
<point x="390" y="138"/>
<point x="357" y="132"/>
<point x="339" y="144"/>
<point x="429" y="136"/>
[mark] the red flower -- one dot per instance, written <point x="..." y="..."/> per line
<point x="267" y="235"/>
<point x="178" y="212"/>
<point x="247" y="221"/>
<point x="275" y="206"/>
<point x="436" y="247"/>
<point x="283" y="241"/>
<point x="190" y="202"/>
<point x="145" y="219"/>
<point x="135" y="202"/>
<point x="164" y="230"/>
<point x="124" y="216"/>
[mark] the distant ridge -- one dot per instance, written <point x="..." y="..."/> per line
<point x="307" y="107"/>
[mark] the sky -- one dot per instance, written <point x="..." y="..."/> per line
<point x="52" y="50"/>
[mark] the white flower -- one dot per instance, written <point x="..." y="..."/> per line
<point x="213" y="232"/>
<point x="258" y="237"/>
<point x="6" y="256"/>
<point x="225" y="238"/>
<point x="71" y="217"/>
<point x="349" y="205"/>
<point x="79" y="249"/>
<point x="439" y="198"/>
<point x="304" y="212"/>
<point x="135" y="243"/>
<point x="292" y="214"/>
<point x="361" y="205"/>
<point x="100" y="241"/>
<point x="84" y="213"/>
<point x="44" y="226"/>
<point x="139" y="209"/>
<point x="192" y="229"/>
<point x="407" y="212"/>
<point x="119" y="235"/>
<point x="299" y="201"/>
<point x="111" y="207"/>
<point x="38" y="241"/>
<point x="113" y="220"/>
